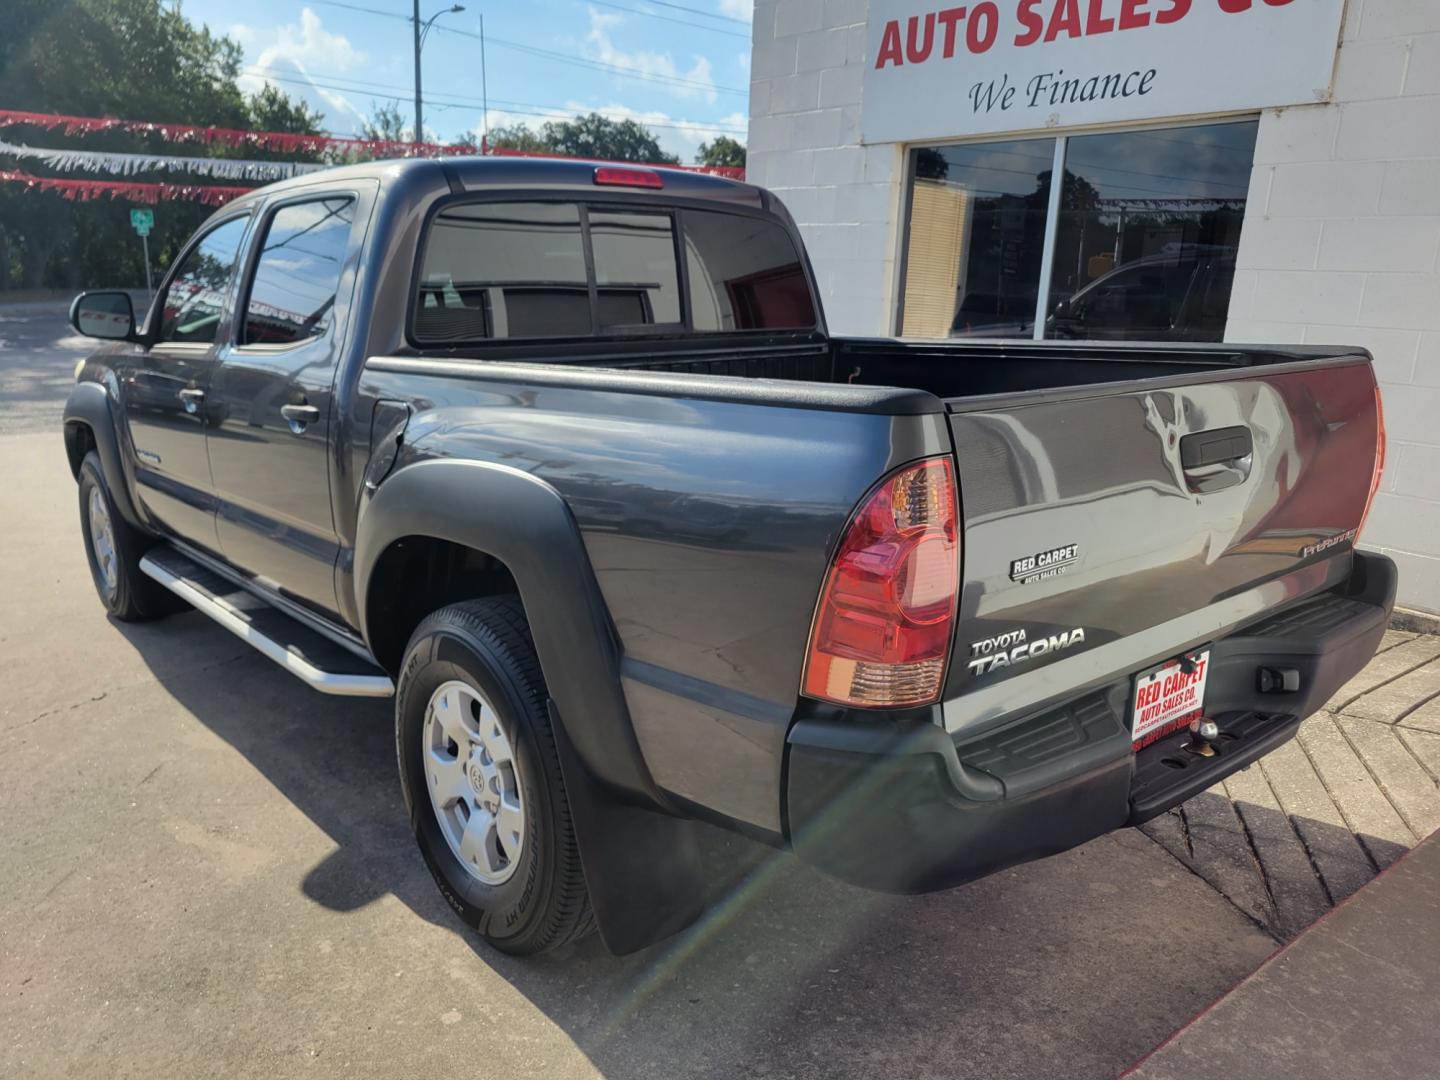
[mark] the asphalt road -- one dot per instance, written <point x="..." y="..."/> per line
<point x="204" y="870"/>
<point x="38" y="351"/>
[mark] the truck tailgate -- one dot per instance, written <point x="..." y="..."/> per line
<point x="1109" y="526"/>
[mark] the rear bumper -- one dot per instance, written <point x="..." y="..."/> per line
<point x="904" y="808"/>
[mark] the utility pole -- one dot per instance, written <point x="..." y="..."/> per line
<point x="484" y="94"/>
<point x="421" y="29"/>
<point x="415" y="24"/>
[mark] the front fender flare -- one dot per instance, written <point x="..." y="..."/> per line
<point x="90" y="404"/>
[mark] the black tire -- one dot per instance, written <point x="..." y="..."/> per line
<point x="132" y="597"/>
<point x="486" y="644"/>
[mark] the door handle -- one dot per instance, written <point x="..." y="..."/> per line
<point x="1217" y="459"/>
<point x="299" y="416"/>
<point x="191" y="399"/>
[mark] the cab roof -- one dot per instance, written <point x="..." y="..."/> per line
<point x="480" y="174"/>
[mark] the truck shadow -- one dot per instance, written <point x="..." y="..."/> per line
<point x="1092" y="954"/>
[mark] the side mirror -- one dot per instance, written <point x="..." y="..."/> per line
<point x="108" y="314"/>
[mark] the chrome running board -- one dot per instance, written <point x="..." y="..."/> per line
<point x="308" y="655"/>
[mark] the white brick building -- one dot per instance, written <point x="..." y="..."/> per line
<point x="1323" y="218"/>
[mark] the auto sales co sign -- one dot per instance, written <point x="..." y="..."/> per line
<point x="1012" y="65"/>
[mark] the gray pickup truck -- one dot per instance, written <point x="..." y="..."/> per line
<point x="561" y="456"/>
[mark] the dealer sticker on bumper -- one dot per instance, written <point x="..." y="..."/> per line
<point x="1167" y="698"/>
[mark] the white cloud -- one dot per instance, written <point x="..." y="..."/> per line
<point x="603" y="48"/>
<point x="738" y="9"/>
<point x="286" y="56"/>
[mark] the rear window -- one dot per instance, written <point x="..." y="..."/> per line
<point x="636" y="280"/>
<point x="745" y="274"/>
<point x="535" y="270"/>
<point x="503" y="270"/>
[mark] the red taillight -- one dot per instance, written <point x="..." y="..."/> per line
<point x="1379" y="460"/>
<point x="647" y="178"/>
<point x="881" y="634"/>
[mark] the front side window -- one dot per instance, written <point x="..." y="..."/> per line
<point x="292" y="295"/>
<point x="1142" y="239"/>
<point x="195" y="296"/>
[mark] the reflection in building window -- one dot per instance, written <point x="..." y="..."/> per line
<point x="1145" y="235"/>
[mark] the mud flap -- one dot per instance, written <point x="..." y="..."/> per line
<point x="643" y="868"/>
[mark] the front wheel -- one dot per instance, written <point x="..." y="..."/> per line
<point x="481" y="777"/>
<point x="114" y="548"/>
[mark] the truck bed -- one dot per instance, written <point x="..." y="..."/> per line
<point x="962" y="369"/>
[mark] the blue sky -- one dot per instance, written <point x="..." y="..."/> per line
<point x="682" y="67"/>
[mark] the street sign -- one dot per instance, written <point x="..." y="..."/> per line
<point x="142" y="221"/>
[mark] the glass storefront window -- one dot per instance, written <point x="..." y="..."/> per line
<point x="1143" y="238"/>
<point x="977" y="230"/>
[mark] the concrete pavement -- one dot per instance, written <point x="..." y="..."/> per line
<point x="1357" y="994"/>
<point x="38" y="351"/>
<point x="1306" y="826"/>
<point x="204" y="869"/>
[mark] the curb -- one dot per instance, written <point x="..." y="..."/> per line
<point x="1417" y="622"/>
<point x="1279" y="952"/>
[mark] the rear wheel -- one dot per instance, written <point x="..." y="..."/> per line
<point x="114" y="548"/>
<point x="482" y="780"/>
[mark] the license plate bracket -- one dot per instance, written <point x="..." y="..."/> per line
<point x="1167" y="697"/>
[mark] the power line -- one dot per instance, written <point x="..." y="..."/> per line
<point x="673" y="80"/>
<point x="456" y="101"/>
<point x="668" y="18"/>
<point x="550" y="54"/>
<point x="697" y="11"/>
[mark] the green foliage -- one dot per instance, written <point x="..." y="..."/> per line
<point x="723" y="150"/>
<point x="592" y="136"/>
<point x="517" y="137"/>
<point x="385" y="123"/>
<point x="273" y="110"/>
<point x="597" y="136"/>
<point x="135" y="59"/>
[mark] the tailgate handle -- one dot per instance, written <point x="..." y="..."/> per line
<point x="1217" y="459"/>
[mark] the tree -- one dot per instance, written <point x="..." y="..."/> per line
<point x="723" y="151"/>
<point x="596" y="136"/>
<point x="385" y="124"/>
<point x="271" y="110"/>
<point x="135" y="59"/>
<point x="516" y="137"/>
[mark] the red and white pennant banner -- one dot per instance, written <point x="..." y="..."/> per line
<point x="133" y="191"/>
<point x="122" y="164"/>
<point x="282" y="141"/>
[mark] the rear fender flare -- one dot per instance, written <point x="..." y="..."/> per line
<point x="525" y="524"/>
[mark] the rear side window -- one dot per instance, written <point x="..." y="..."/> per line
<point x="745" y="274"/>
<point x="526" y="270"/>
<point x="504" y="270"/>
<point x="292" y="296"/>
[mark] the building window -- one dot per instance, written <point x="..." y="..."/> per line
<point x="1141" y="238"/>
